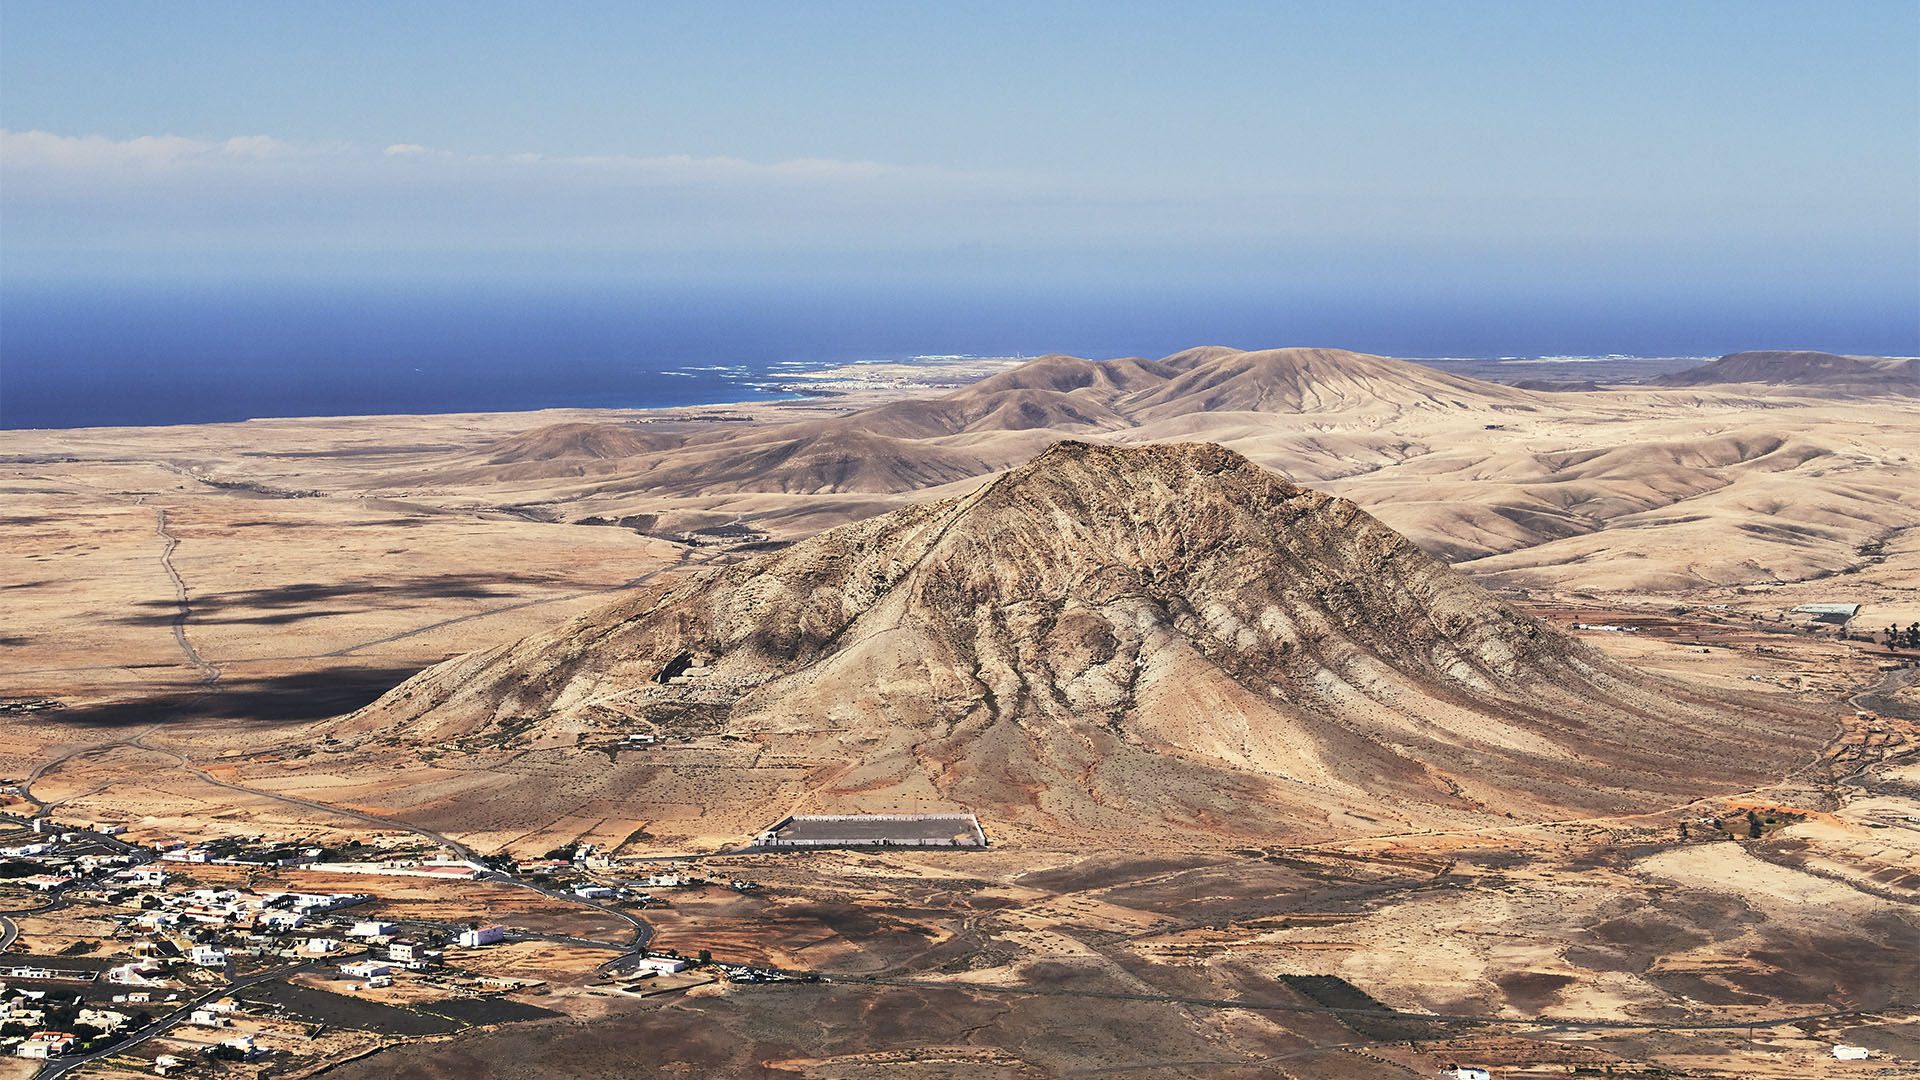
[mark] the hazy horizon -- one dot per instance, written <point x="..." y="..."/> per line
<point x="86" y="354"/>
<point x="1764" y="150"/>
<point x="847" y="180"/>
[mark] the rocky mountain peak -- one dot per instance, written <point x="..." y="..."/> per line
<point x="1106" y="632"/>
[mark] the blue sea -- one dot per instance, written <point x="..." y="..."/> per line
<point x="78" y="354"/>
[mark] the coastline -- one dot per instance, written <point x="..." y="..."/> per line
<point x="848" y="387"/>
<point x="838" y="389"/>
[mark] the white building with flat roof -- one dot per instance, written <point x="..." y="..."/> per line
<point x="207" y="956"/>
<point x="486" y="935"/>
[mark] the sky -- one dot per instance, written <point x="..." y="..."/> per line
<point x="1752" y="150"/>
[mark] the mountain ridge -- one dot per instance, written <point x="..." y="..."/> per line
<point x="1101" y="636"/>
<point x="1803" y="367"/>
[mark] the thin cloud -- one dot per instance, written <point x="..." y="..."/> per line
<point x="65" y="167"/>
<point x="259" y="192"/>
<point x="80" y="153"/>
<point x="258" y="146"/>
<point x="93" y="157"/>
<point x="31" y="149"/>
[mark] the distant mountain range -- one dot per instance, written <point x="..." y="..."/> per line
<point x="1552" y="486"/>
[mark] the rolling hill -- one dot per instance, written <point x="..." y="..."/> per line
<point x="1803" y="368"/>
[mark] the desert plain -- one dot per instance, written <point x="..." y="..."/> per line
<point x="1560" y="784"/>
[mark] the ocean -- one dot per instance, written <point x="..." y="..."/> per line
<point x="91" y="354"/>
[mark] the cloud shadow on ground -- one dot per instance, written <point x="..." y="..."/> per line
<point x="294" y="698"/>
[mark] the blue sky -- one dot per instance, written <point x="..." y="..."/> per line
<point x="1716" y="149"/>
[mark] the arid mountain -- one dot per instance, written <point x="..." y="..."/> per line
<point x="1163" y="637"/>
<point x="1865" y="374"/>
<point x="910" y="445"/>
<point x="576" y="440"/>
<point x="1633" y="488"/>
<point x="1311" y="380"/>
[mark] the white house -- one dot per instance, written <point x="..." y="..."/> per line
<point x="1850" y="1053"/>
<point x="149" y="876"/>
<point x="365" y="969"/>
<point x="666" y="965"/>
<point x="1466" y="1072"/>
<point x="207" y="956"/>
<point x="42" y="1045"/>
<point x="372" y="929"/>
<point x="321" y="946"/>
<point x="486" y="935"/>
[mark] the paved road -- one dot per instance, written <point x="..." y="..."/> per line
<point x="47" y="766"/>
<point x="642" y="930"/>
<point x="1879" y="697"/>
<point x="62" y="1066"/>
<point x="186" y="763"/>
<point x="57" y="899"/>
<point x="111" y="843"/>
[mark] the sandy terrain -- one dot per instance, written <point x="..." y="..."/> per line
<point x="197" y="598"/>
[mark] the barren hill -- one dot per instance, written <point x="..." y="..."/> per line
<point x="913" y="444"/>
<point x="574" y="440"/>
<point x="1636" y="488"/>
<point x="1870" y="374"/>
<point x="1106" y="637"/>
<point x="1311" y="380"/>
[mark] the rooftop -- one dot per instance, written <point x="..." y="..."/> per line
<point x="873" y="828"/>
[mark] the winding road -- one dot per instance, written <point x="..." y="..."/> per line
<point x="209" y="680"/>
<point x="208" y="673"/>
<point x="643" y="932"/>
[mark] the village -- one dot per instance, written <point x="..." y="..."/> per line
<point x="171" y="957"/>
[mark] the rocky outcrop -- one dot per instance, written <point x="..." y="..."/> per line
<point x="1112" y="636"/>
